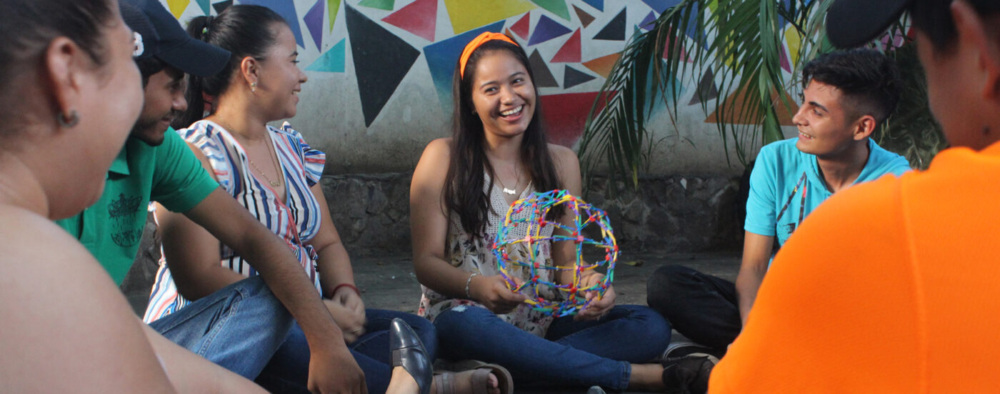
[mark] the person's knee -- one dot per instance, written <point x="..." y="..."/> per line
<point x="461" y="319"/>
<point x="663" y="284"/>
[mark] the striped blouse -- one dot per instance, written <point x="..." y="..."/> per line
<point x="296" y="221"/>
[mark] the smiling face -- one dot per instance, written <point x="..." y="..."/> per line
<point x="824" y="125"/>
<point x="164" y="101"/>
<point x="279" y="77"/>
<point x="503" y="94"/>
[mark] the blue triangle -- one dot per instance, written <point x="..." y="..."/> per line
<point x="647" y="22"/>
<point x="442" y="58"/>
<point x="331" y="61"/>
<point x="598" y="4"/>
<point x="573" y="77"/>
<point x="661" y="5"/>
<point x="286" y="9"/>
<point x="547" y="29"/>
<point x="205" y="6"/>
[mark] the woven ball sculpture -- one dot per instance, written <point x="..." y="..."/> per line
<point x="570" y="297"/>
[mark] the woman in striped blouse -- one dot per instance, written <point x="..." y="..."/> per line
<point x="275" y="174"/>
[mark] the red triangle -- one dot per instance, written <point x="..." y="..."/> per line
<point x="666" y="55"/>
<point x="570" y="51"/>
<point x="419" y="17"/>
<point x="522" y="26"/>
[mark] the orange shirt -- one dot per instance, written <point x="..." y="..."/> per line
<point x="891" y="286"/>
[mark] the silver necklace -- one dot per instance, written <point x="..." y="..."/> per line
<point x="504" y="188"/>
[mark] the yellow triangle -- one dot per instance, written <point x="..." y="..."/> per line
<point x="177" y="7"/>
<point x="794" y="39"/>
<point x="469" y="14"/>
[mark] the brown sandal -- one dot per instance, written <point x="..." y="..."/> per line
<point x="478" y="375"/>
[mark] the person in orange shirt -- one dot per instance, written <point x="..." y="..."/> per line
<point x="889" y="286"/>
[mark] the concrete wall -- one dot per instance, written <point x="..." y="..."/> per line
<point x="380" y="73"/>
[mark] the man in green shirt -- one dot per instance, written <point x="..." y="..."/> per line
<point x="156" y="165"/>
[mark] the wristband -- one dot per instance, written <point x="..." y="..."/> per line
<point x="347" y="285"/>
<point x="467" y="283"/>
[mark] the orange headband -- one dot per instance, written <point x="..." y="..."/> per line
<point x="475" y="44"/>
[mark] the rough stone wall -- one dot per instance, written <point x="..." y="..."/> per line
<point x="670" y="214"/>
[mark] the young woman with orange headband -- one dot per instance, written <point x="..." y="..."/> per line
<point x="461" y="189"/>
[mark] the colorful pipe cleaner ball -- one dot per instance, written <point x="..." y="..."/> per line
<point x="526" y="230"/>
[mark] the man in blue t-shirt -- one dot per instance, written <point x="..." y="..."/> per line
<point x="846" y="96"/>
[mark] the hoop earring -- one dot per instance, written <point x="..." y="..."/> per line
<point x="68" y="121"/>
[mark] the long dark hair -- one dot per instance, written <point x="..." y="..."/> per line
<point x="465" y="179"/>
<point x="243" y="30"/>
<point x="28" y="26"/>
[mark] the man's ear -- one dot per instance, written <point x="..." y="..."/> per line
<point x="864" y="127"/>
<point x="973" y="31"/>
<point x="65" y="71"/>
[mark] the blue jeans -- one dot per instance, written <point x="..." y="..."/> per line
<point x="238" y="327"/>
<point x="572" y="354"/>
<point x="288" y="371"/>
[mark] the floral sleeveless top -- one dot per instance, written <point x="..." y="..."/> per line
<point x="473" y="253"/>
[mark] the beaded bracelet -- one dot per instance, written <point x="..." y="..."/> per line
<point x="467" y="283"/>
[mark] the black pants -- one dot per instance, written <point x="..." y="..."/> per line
<point x="702" y="307"/>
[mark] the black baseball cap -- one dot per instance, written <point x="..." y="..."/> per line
<point x="161" y="36"/>
<point x="851" y="23"/>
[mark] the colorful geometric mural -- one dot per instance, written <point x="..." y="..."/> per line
<point x="572" y="46"/>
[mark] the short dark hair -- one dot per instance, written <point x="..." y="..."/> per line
<point x="868" y="79"/>
<point x="933" y="17"/>
<point x="149" y="66"/>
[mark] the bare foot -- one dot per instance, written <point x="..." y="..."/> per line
<point x="402" y="383"/>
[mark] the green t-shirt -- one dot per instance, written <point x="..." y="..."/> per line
<point x="169" y="174"/>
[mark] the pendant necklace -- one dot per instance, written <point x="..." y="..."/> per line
<point x="504" y="187"/>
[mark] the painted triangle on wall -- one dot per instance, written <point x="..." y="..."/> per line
<point x="573" y="77"/>
<point x="379" y="4"/>
<point x="466" y="15"/>
<point x="614" y="30"/>
<point x="557" y="7"/>
<point x="286" y="9"/>
<point x="522" y="26"/>
<point x="543" y="77"/>
<point x="314" y="23"/>
<point x="585" y="18"/>
<point x="603" y="65"/>
<point x="332" y="8"/>
<point x="547" y="29"/>
<point x="221" y="6"/>
<point x="418" y="17"/>
<point x="598" y="4"/>
<point x="570" y="51"/>
<point x="206" y="6"/>
<point x="331" y="61"/>
<point x="706" y="89"/>
<point x="381" y="60"/>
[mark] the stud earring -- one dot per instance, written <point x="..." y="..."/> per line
<point x="68" y="121"/>
<point x="253" y="87"/>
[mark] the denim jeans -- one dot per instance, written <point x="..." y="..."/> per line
<point x="573" y="353"/>
<point x="238" y="327"/>
<point x="702" y="307"/>
<point x="288" y="371"/>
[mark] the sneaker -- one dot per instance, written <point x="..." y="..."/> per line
<point x="689" y="373"/>
<point x="683" y="348"/>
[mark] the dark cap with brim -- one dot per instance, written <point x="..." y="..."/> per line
<point x="175" y="47"/>
<point x="851" y="23"/>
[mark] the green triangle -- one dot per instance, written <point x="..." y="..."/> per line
<point x="206" y="6"/>
<point x="332" y="7"/>
<point x="332" y="61"/>
<point x="380" y="4"/>
<point x="557" y="7"/>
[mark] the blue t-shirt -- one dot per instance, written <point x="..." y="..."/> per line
<point x="786" y="185"/>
